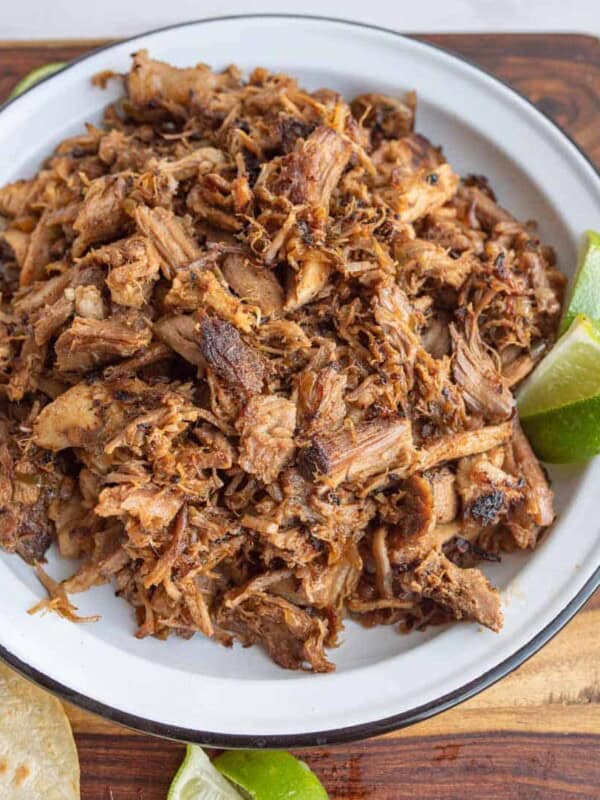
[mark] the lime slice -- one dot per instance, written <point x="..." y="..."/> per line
<point x="270" y="775"/>
<point x="35" y="76"/>
<point x="585" y="293"/>
<point x="559" y="404"/>
<point x="197" y="779"/>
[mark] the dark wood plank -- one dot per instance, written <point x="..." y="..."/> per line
<point x="19" y="58"/>
<point x="559" y="73"/>
<point x="126" y="767"/>
<point x="503" y="766"/>
<point x="536" y="734"/>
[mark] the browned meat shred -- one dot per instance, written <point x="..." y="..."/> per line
<point x="359" y="452"/>
<point x="87" y="343"/>
<point x="257" y="351"/>
<point x="238" y="364"/>
<point x="483" y="386"/>
<point x="266" y="427"/>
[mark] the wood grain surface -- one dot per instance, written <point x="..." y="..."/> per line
<point x="535" y="734"/>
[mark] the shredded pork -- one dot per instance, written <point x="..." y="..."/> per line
<point x="257" y="354"/>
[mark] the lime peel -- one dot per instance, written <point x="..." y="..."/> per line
<point x="568" y="374"/>
<point x="197" y="779"/>
<point x="559" y="404"/>
<point x="270" y="775"/>
<point x="35" y="76"/>
<point x="566" y="435"/>
<point x="584" y="297"/>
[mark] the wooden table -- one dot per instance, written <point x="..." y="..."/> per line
<point x="536" y="734"/>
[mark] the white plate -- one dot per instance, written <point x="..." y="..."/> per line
<point x="196" y="690"/>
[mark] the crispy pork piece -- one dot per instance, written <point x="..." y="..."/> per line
<point x="386" y="117"/>
<point x="52" y="318"/>
<point x="310" y="279"/>
<point x="412" y="527"/>
<point x="27" y="367"/>
<point x="15" y="197"/>
<point x="409" y="537"/>
<point x="465" y="593"/>
<point x="155" y="352"/>
<point x="321" y="405"/>
<point x="102" y="569"/>
<point x="89" y="343"/>
<point x="41" y="294"/>
<point x="445" y="497"/>
<point x="155" y="84"/>
<point x="423" y="193"/>
<point x="326" y="586"/>
<point x="474" y="371"/>
<point x="18" y="243"/>
<point x="121" y="152"/>
<point x="181" y="333"/>
<point x="312" y="170"/>
<point x="266" y="428"/>
<point x="230" y="357"/>
<point x="356" y="454"/>
<point x="6" y="349"/>
<point x="546" y="296"/>
<point x="150" y="434"/>
<point x="459" y="445"/>
<point x="539" y="497"/>
<point x="255" y="284"/>
<point x="408" y="154"/>
<point x="206" y="201"/>
<point x="199" y="288"/>
<point x="412" y="177"/>
<point x="102" y="216"/>
<point x="154" y="507"/>
<point x="202" y="161"/>
<point x="486" y="491"/>
<point x="29" y="482"/>
<point x="173" y="242"/>
<point x="134" y="266"/>
<point x="76" y="417"/>
<point x="94" y="416"/>
<point x="485" y="208"/>
<point x="422" y="261"/>
<point x="395" y="316"/>
<point x="290" y="129"/>
<point x="293" y="638"/>
<point x="38" y="254"/>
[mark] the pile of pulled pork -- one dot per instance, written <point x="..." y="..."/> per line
<point x="257" y="354"/>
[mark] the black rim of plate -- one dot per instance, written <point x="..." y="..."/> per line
<point x="353" y="732"/>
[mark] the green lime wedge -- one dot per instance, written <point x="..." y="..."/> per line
<point x="35" y="76"/>
<point x="270" y="775"/>
<point x="584" y="297"/>
<point x="197" y="779"/>
<point x="559" y="404"/>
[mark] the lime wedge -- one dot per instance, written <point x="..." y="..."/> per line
<point x="270" y="775"/>
<point x="35" y="76"/>
<point x="585" y="293"/>
<point x="197" y="779"/>
<point x="559" y="404"/>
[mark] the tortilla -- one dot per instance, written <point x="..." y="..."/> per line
<point x="38" y="757"/>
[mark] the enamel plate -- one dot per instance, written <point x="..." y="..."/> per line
<point x="197" y="690"/>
